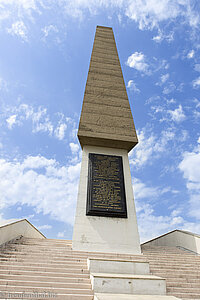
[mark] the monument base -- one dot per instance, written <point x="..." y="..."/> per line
<point x="105" y="234"/>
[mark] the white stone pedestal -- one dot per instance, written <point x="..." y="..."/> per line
<point x="105" y="234"/>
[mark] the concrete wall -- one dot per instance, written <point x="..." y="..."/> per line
<point x="176" y="238"/>
<point x="105" y="234"/>
<point x="22" y="227"/>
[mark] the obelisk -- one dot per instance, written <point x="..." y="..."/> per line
<point x="105" y="216"/>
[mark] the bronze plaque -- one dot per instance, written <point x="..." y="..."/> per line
<point x="106" y="191"/>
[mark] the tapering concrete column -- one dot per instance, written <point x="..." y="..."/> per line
<point x="105" y="216"/>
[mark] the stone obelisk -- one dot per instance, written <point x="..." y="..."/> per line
<point x="105" y="216"/>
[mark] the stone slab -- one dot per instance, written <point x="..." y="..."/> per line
<point x="117" y="266"/>
<point x="128" y="284"/>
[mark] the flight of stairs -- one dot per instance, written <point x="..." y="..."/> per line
<point x="51" y="267"/>
<point x="48" y="267"/>
<point x="180" y="268"/>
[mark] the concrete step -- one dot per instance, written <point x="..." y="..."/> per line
<point x="128" y="284"/>
<point x="30" y="258"/>
<point x="54" y="284"/>
<point x="177" y="275"/>
<point x="185" y="295"/>
<point x="185" y="285"/>
<point x="180" y="289"/>
<point x="186" y="260"/>
<point x="75" y="255"/>
<point x="43" y="273"/>
<point x="41" y="268"/>
<point x="44" y="278"/>
<point x="101" y="296"/>
<point x="60" y="291"/>
<point x="68" y="265"/>
<point x="177" y="267"/>
<point x="21" y="295"/>
<point x="175" y="271"/>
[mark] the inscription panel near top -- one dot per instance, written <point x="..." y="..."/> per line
<point x="106" y="191"/>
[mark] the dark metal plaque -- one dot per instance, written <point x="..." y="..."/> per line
<point x="106" y="191"/>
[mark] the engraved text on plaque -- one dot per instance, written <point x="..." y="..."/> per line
<point x="106" y="191"/>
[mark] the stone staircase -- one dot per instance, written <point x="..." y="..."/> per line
<point x="45" y="268"/>
<point x="49" y="267"/>
<point x="180" y="268"/>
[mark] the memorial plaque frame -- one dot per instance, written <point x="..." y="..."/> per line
<point x="103" y="177"/>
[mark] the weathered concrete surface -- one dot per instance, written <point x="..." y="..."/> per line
<point x="100" y="234"/>
<point x="106" y="118"/>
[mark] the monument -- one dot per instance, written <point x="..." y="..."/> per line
<point x="105" y="217"/>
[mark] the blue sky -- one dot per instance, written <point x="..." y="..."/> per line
<point x="45" y="49"/>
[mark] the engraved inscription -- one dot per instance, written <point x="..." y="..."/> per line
<point x="106" y="193"/>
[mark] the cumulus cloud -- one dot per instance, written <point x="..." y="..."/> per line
<point x="190" y="54"/>
<point x="61" y="234"/>
<point x="177" y="115"/>
<point x="137" y="61"/>
<point x="148" y="14"/>
<point x="11" y="121"/>
<point x="169" y="88"/>
<point x="150" y="146"/>
<point x="189" y="166"/>
<point x="60" y="131"/>
<point x="42" y="183"/>
<point x="132" y="86"/>
<point x="161" y="36"/>
<point x="74" y="148"/>
<point x="45" y="227"/>
<point x="19" y="29"/>
<point x="164" y="78"/>
<point x="49" y="29"/>
<point x="152" y="225"/>
<point x="196" y="83"/>
<point x="143" y="191"/>
<point x="40" y="119"/>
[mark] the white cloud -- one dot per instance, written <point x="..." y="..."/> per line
<point x="161" y="36"/>
<point x="132" y="86"/>
<point x="137" y="61"/>
<point x="11" y="121"/>
<point x="61" y="234"/>
<point x="46" y="226"/>
<point x="143" y="191"/>
<point x="49" y="29"/>
<point x="60" y="131"/>
<point x="169" y="88"/>
<point x="177" y="115"/>
<point x="149" y="13"/>
<point x="52" y="190"/>
<point x="149" y="147"/>
<point x="196" y="83"/>
<point x="55" y="125"/>
<point x="164" y="78"/>
<point x="74" y="148"/>
<point x="190" y="54"/>
<point x="189" y="166"/>
<point x="19" y="29"/>
<point x="152" y="225"/>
